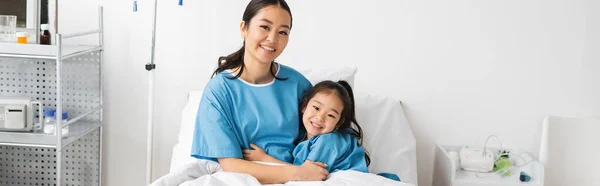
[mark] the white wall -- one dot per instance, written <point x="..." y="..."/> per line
<point x="464" y="69"/>
<point x="591" y="64"/>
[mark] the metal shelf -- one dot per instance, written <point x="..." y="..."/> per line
<point x="38" y="139"/>
<point x="71" y="86"/>
<point x="34" y="51"/>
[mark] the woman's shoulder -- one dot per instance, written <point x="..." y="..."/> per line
<point x="219" y="86"/>
<point x="217" y="81"/>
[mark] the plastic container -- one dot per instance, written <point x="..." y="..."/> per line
<point x="8" y="28"/>
<point x="50" y="123"/>
<point x="48" y="119"/>
<point x="45" y="35"/>
<point x="22" y="37"/>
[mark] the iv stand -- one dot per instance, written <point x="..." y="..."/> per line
<point x="150" y="68"/>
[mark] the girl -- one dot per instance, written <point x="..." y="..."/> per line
<point x="250" y="98"/>
<point x="331" y="134"/>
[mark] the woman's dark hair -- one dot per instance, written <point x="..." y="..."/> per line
<point x="347" y="123"/>
<point x="236" y="59"/>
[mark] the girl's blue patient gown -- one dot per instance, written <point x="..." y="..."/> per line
<point x="339" y="151"/>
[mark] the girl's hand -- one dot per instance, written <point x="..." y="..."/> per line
<point x="255" y="155"/>
<point x="310" y="171"/>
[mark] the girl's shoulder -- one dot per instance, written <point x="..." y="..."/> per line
<point x="331" y="142"/>
<point x="333" y="137"/>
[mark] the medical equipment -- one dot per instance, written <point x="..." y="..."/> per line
<point x="16" y="114"/>
<point x="483" y="160"/>
<point x="480" y="159"/>
<point x="446" y="173"/>
<point x="476" y="159"/>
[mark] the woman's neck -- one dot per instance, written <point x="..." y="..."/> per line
<point x="256" y="72"/>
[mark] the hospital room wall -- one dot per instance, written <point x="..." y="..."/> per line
<point x="591" y="64"/>
<point x="468" y="69"/>
<point x="463" y="69"/>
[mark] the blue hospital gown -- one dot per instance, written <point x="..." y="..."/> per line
<point x="233" y="113"/>
<point x="337" y="150"/>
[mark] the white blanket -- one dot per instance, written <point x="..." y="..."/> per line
<point x="207" y="173"/>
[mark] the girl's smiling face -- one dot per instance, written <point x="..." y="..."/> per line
<point x="322" y="113"/>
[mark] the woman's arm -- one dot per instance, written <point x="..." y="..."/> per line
<point x="267" y="174"/>
<point x="259" y="154"/>
<point x="275" y="160"/>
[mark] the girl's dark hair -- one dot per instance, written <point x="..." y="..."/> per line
<point x="236" y="59"/>
<point x="347" y="123"/>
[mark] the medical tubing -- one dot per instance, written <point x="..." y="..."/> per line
<point x="507" y="168"/>
<point x="486" y="142"/>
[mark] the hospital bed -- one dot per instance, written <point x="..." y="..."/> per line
<point x="388" y="139"/>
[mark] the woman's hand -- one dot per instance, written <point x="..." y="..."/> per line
<point x="310" y="171"/>
<point x="255" y="155"/>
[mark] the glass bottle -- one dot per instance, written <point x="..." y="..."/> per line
<point x="45" y="35"/>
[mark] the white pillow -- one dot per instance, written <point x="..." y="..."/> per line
<point x="388" y="136"/>
<point x="316" y="75"/>
<point x="183" y="148"/>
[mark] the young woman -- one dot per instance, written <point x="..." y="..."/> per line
<point x="252" y="99"/>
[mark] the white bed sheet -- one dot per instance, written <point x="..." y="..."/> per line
<point x="347" y="178"/>
<point x="208" y="173"/>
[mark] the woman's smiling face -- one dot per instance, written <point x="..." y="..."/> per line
<point x="267" y="33"/>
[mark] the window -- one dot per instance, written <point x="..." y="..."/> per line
<point x="26" y="12"/>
